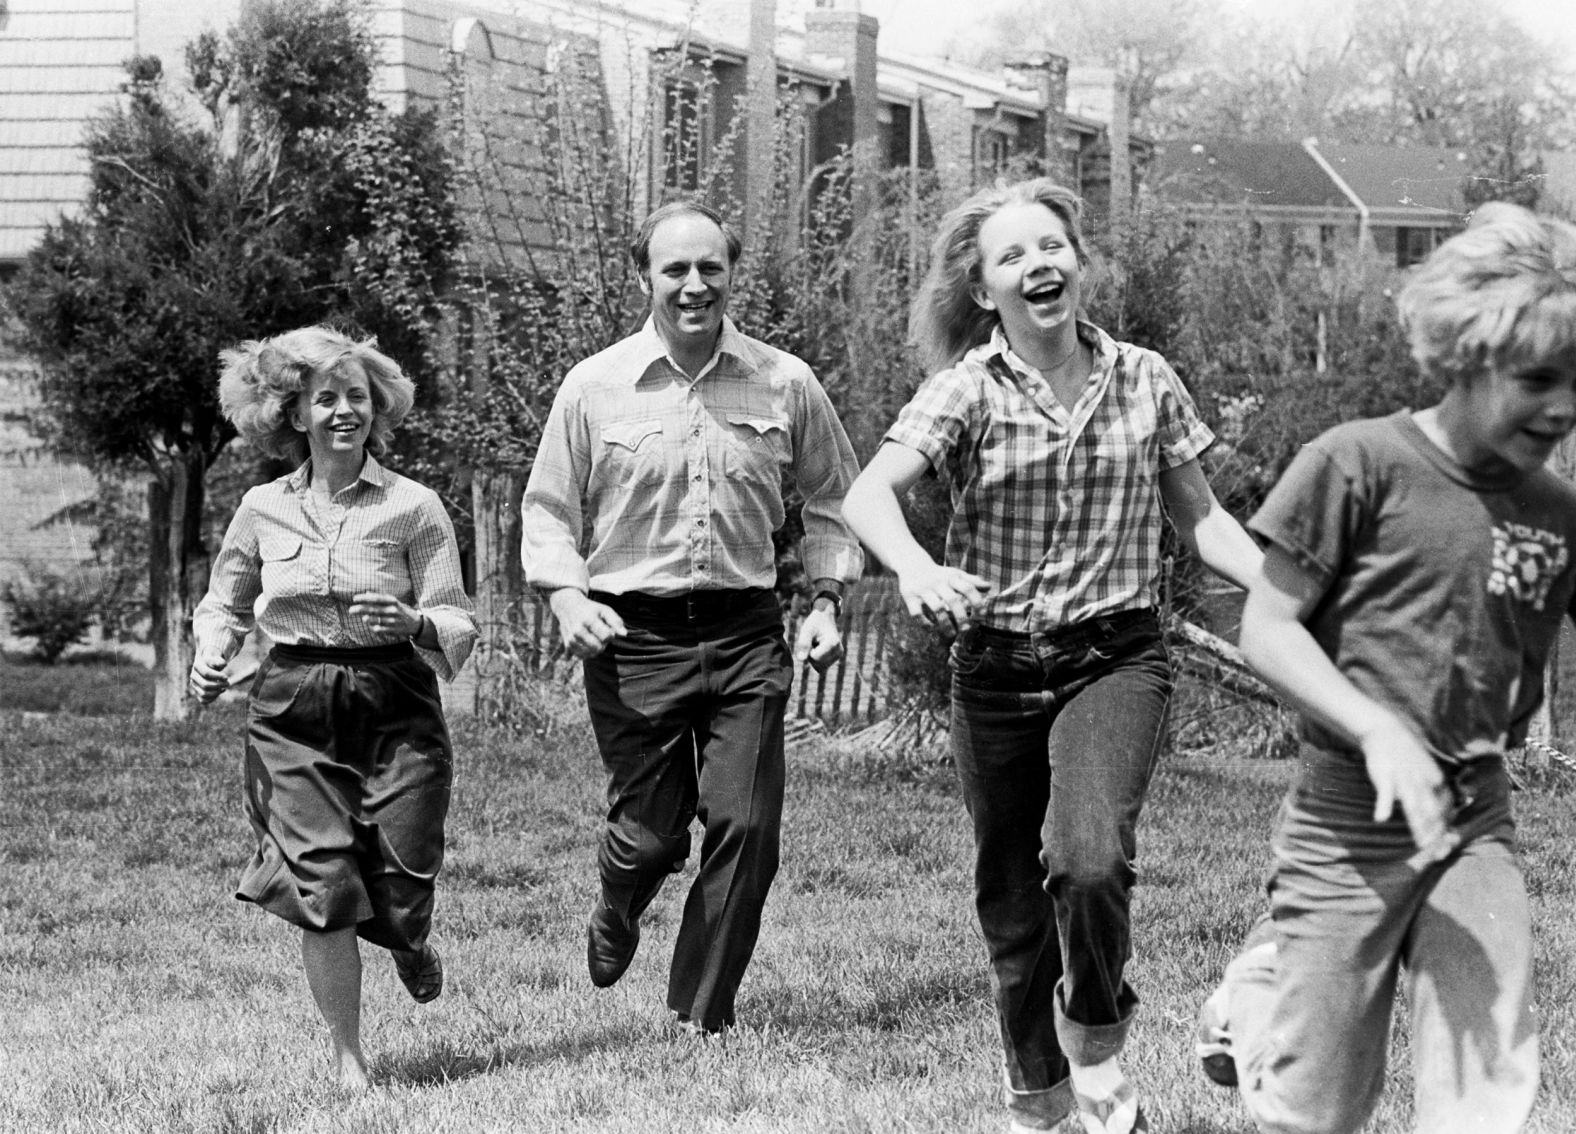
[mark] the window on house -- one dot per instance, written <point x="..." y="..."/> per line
<point x="1326" y="245"/>
<point x="683" y="134"/>
<point x="1412" y="245"/>
<point x="895" y="120"/>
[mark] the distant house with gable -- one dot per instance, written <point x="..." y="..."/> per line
<point x="1390" y="204"/>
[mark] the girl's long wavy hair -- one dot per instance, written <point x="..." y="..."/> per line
<point x="1498" y="296"/>
<point x="260" y="380"/>
<point x="945" y="321"/>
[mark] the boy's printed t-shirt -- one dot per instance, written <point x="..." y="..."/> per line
<point x="1445" y="588"/>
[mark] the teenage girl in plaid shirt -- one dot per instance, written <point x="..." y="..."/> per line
<point x="353" y="573"/>
<point x="1062" y="448"/>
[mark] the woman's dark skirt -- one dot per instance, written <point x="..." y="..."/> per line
<point x="348" y="773"/>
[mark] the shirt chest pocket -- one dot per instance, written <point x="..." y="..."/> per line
<point x="375" y="564"/>
<point x="284" y="567"/>
<point x="756" y="448"/>
<point x="631" y="452"/>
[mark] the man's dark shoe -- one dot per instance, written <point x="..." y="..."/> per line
<point x="610" y="944"/>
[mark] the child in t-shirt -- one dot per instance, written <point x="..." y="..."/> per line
<point x="1417" y="570"/>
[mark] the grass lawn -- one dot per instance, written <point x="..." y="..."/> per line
<point x="85" y="682"/>
<point x="139" y="996"/>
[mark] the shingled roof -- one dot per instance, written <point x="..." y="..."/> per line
<point x="1402" y="183"/>
<point x="1397" y="185"/>
<point x="1252" y="174"/>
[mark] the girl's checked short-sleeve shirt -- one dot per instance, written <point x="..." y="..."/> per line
<point x="1058" y="509"/>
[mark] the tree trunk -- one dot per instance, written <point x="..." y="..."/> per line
<point x="177" y="577"/>
<point x="495" y="508"/>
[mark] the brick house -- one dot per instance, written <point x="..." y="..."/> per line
<point x="61" y="61"/>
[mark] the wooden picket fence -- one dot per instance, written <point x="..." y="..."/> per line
<point x="850" y="692"/>
<point x="853" y="691"/>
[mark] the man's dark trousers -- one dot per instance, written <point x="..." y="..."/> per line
<point x="688" y="713"/>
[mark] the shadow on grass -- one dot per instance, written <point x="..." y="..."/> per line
<point x="449" y="1062"/>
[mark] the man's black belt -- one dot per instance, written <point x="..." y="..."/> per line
<point x="694" y="606"/>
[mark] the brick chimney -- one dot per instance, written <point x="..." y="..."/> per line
<point x="850" y="36"/>
<point x="1046" y="74"/>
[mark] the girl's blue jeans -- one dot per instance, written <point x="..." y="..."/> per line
<point x="1055" y="737"/>
<point x="1354" y="906"/>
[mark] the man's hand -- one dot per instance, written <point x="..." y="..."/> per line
<point x="819" y="642"/>
<point x="1403" y="771"/>
<point x="586" y="626"/>
<point x="208" y="678"/>
<point x="936" y="594"/>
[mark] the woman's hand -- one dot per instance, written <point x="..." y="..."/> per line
<point x="933" y="592"/>
<point x="209" y="678"/>
<point x="385" y="615"/>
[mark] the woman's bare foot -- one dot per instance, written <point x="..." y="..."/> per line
<point x="333" y="972"/>
<point x="351" y="1071"/>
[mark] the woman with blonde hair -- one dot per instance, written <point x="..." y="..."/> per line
<point x="353" y="573"/>
<point x="1063" y="450"/>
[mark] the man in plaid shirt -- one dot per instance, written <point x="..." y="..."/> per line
<point x="672" y="447"/>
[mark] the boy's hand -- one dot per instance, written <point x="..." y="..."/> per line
<point x="1403" y="771"/>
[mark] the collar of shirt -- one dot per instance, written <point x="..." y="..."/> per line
<point x="371" y="473"/>
<point x="1073" y="418"/>
<point x="731" y="344"/>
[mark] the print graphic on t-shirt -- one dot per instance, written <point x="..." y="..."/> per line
<point x="1526" y="562"/>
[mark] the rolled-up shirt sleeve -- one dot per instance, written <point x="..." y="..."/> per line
<point x="940" y="418"/>
<point x="825" y="467"/>
<point x="226" y="614"/>
<point x="551" y="513"/>
<point x="439" y="586"/>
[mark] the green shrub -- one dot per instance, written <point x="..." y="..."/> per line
<point x="56" y="609"/>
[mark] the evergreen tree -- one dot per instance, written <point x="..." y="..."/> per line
<point x="296" y="198"/>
